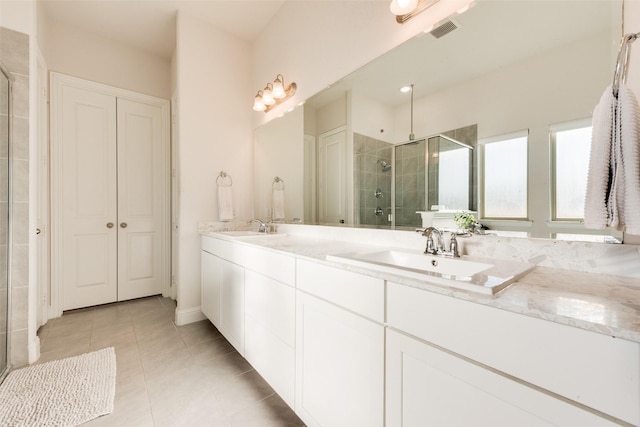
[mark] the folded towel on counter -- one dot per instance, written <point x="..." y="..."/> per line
<point x="613" y="185"/>
<point x="225" y="203"/>
<point x="278" y="204"/>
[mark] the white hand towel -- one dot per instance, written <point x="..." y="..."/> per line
<point x="627" y="201"/>
<point x="613" y="185"/>
<point x="278" y="203"/>
<point x="596" y="210"/>
<point x="225" y="203"/>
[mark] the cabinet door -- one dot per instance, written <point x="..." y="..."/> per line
<point x="232" y="304"/>
<point x="210" y="292"/>
<point x="339" y="366"/>
<point x="429" y="387"/>
<point x="270" y="332"/>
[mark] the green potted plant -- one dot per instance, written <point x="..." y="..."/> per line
<point x="466" y="221"/>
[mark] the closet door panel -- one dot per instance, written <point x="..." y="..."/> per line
<point x="88" y="195"/>
<point x="142" y="200"/>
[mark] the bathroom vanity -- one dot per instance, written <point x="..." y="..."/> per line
<point x="345" y="345"/>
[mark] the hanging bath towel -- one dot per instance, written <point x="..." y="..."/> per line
<point x="278" y="204"/>
<point x="225" y="203"/>
<point x="613" y="185"/>
<point x="626" y="205"/>
<point x="596" y="210"/>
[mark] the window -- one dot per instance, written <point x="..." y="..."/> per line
<point x="504" y="176"/>
<point x="570" y="147"/>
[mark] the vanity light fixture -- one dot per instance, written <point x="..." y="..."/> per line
<point x="258" y="104"/>
<point x="273" y="94"/>
<point x="407" y="9"/>
<point x="267" y="95"/>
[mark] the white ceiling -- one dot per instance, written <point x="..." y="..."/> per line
<point x="149" y="25"/>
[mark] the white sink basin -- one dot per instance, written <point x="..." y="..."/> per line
<point x="474" y="274"/>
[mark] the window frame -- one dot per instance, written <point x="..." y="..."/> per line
<point x="553" y="130"/>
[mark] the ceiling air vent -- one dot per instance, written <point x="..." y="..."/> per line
<point x="445" y="28"/>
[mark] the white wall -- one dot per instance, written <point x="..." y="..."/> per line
<point x="75" y="52"/>
<point x="279" y="151"/>
<point x="372" y="118"/>
<point x="215" y="134"/>
<point x="316" y="43"/>
<point x="632" y="25"/>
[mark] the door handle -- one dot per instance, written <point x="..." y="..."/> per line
<point x="123" y="224"/>
<point x="109" y="225"/>
<point x="38" y="231"/>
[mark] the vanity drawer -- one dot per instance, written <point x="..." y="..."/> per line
<point x="356" y="292"/>
<point x="274" y="265"/>
<point x="218" y="247"/>
<point x="596" y="370"/>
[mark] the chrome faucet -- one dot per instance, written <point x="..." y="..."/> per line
<point x="263" y="227"/>
<point x="437" y="247"/>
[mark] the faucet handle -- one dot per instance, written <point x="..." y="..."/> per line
<point x="453" y="245"/>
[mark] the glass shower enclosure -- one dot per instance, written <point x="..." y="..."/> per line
<point x="6" y="86"/>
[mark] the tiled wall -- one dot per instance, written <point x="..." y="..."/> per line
<point x="369" y="177"/>
<point x="14" y="54"/>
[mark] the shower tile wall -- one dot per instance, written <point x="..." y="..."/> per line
<point x="14" y="51"/>
<point x="370" y="177"/>
<point x="410" y="183"/>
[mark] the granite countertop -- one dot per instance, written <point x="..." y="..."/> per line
<point x="599" y="303"/>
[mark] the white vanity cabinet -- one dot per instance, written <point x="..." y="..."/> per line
<point x="270" y="328"/>
<point x="210" y="286"/>
<point x="248" y="293"/>
<point x="466" y="362"/>
<point x="222" y="291"/>
<point x="339" y="347"/>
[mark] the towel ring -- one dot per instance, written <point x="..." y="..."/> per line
<point x="277" y="180"/>
<point x="622" y="63"/>
<point x="220" y="180"/>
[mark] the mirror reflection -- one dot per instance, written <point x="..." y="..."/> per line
<point x="522" y="67"/>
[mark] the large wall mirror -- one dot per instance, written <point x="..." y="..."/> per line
<point x="366" y="154"/>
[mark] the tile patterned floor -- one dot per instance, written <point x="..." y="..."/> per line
<point x="167" y="375"/>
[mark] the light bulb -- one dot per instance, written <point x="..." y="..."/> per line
<point x="267" y="97"/>
<point x="258" y="105"/>
<point x="402" y="7"/>
<point x="278" y="88"/>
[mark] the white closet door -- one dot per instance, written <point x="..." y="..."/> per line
<point x="88" y="198"/>
<point x="142" y="199"/>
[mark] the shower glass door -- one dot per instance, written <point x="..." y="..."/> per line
<point x="5" y="132"/>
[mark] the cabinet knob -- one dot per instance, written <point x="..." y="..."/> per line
<point x="109" y="225"/>
<point x="123" y="224"/>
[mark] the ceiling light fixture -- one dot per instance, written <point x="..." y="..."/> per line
<point x="407" y="9"/>
<point x="273" y="94"/>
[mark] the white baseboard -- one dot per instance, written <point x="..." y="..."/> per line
<point x="34" y="349"/>
<point x="189" y="315"/>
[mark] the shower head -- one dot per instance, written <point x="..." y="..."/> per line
<point x="385" y="166"/>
